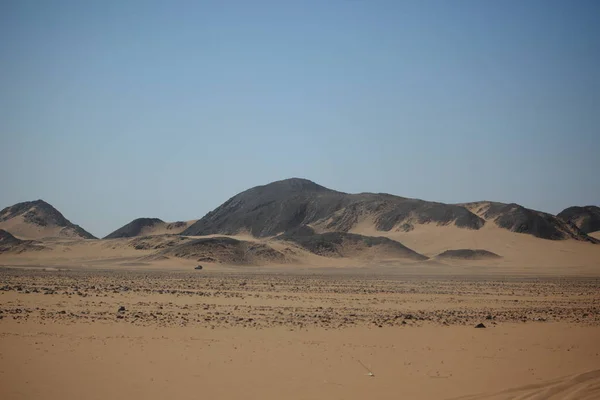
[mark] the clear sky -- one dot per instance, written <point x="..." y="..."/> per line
<point x="113" y="110"/>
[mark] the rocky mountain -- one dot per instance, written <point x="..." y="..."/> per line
<point x="38" y="219"/>
<point x="586" y="218"/>
<point x="282" y="206"/>
<point x="147" y="227"/>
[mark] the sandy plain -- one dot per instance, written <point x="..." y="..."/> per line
<point x="106" y="333"/>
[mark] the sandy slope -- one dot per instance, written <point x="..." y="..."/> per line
<point x="268" y="336"/>
<point x="519" y="251"/>
<point x="23" y="230"/>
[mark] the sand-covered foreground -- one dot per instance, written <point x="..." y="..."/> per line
<point x="272" y="336"/>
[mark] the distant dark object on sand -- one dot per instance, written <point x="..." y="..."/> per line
<point x="468" y="254"/>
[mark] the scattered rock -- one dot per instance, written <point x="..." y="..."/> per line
<point x="480" y="325"/>
<point x="122" y="309"/>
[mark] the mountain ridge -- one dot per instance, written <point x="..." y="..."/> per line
<point x="271" y="209"/>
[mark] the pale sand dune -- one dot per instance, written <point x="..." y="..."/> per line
<point x="23" y="230"/>
<point x="518" y="251"/>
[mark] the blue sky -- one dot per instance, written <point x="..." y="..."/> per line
<point x="113" y="110"/>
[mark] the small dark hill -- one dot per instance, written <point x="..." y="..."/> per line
<point x="225" y="250"/>
<point x="341" y="244"/>
<point x="24" y="219"/>
<point x="517" y="218"/>
<point x="6" y="239"/>
<point x="149" y="227"/>
<point x="586" y="218"/>
<point x="11" y="244"/>
<point x="468" y="254"/>
<point x="134" y="228"/>
<point x="284" y="205"/>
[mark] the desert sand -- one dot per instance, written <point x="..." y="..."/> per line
<point x="334" y="333"/>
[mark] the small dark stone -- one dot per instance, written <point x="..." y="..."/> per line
<point x="121" y="309"/>
<point x="489" y="317"/>
<point x="480" y="325"/>
<point x="198" y="267"/>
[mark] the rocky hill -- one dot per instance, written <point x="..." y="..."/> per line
<point x="586" y="218"/>
<point x="342" y="244"/>
<point x="38" y="219"/>
<point x="224" y="250"/>
<point x="149" y="226"/>
<point x="517" y="218"/>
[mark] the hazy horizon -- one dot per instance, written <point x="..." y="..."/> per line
<point x="112" y="111"/>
